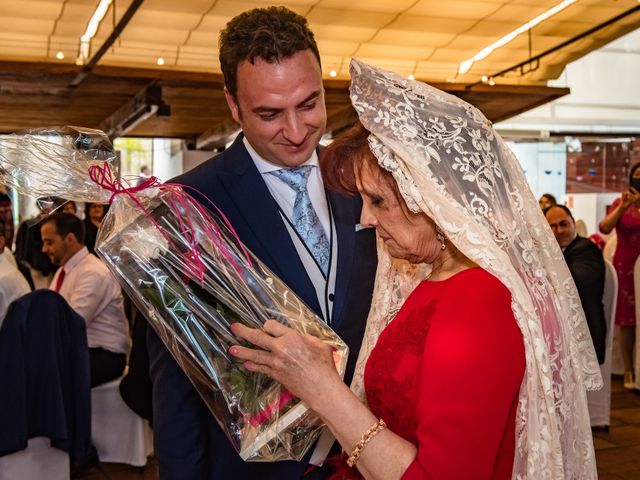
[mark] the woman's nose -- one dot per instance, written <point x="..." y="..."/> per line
<point x="367" y="218"/>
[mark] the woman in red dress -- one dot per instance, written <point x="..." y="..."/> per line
<point x="624" y="216"/>
<point x="466" y="368"/>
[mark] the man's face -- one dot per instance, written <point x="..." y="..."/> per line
<point x="563" y="226"/>
<point x="53" y="245"/>
<point x="280" y="107"/>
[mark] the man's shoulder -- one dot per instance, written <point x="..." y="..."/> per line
<point x="209" y="170"/>
<point x="585" y="245"/>
<point x="90" y="264"/>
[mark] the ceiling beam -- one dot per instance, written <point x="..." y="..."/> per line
<point x="146" y="103"/>
<point x="217" y="136"/>
<point x="122" y="23"/>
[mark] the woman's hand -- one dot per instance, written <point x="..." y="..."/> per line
<point x="629" y="197"/>
<point x="302" y="363"/>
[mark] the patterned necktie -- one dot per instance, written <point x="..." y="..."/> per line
<point x="305" y="220"/>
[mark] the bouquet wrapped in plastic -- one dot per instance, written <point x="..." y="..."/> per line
<point x="189" y="274"/>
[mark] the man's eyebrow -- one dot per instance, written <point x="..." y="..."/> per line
<point x="311" y="97"/>
<point x="267" y="109"/>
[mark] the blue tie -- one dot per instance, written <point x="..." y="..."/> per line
<point x="305" y="220"/>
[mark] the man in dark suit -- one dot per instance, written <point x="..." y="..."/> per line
<point x="273" y="86"/>
<point x="586" y="265"/>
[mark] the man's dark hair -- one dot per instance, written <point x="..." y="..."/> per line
<point x="2" y="227"/>
<point x="66" y="223"/>
<point x="562" y="207"/>
<point x="271" y="33"/>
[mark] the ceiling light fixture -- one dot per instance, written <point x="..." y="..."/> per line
<point x="411" y="77"/>
<point x="60" y="56"/>
<point x="92" y="28"/>
<point x="333" y="73"/>
<point x="485" y="52"/>
<point x="160" y="61"/>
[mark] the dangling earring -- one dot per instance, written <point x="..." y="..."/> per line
<point x="441" y="238"/>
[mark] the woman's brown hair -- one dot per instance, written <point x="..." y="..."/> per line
<point x="345" y="155"/>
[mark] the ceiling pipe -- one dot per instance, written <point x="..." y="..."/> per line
<point x="86" y="70"/>
<point x="536" y="59"/>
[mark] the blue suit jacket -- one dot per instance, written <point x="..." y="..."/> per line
<point x="44" y="375"/>
<point x="188" y="442"/>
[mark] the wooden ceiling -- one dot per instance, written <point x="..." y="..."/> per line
<point x="424" y="38"/>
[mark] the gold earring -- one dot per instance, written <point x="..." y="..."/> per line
<point x="441" y="238"/>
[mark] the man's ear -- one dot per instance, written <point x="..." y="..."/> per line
<point x="70" y="238"/>
<point x="233" y="106"/>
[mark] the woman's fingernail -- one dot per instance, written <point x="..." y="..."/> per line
<point x="233" y="350"/>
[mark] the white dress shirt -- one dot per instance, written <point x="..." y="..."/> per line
<point x="13" y="285"/>
<point x="284" y="195"/>
<point x="91" y="290"/>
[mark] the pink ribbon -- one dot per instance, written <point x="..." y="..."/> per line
<point x="178" y="201"/>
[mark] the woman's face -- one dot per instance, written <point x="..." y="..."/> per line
<point x="634" y="181"/>
<point x="96" y="211"/>
<point x="409" y="236"/>
<point x="545" y="202"/>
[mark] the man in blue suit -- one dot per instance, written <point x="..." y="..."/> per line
<point x="305" y="234"/>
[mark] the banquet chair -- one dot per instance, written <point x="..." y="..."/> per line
<point x="599" y="401"/>
<point x="636" y="285"/>
<point x="617" y="365"/>
<point x="45" y="388"/>
<point x="39" y="460"/>
<point x="118" y="433"/>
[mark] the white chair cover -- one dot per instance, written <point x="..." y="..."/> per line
<point x="599" y="401"/>
<point x="36" y="462"/>
<point x="119" y="434"/>
<point x="610" y="247"/>
<point x="636" y="286"/>
<point x="617" y="365"/>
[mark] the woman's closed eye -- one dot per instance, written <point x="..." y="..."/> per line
<point x="376" y="201"/>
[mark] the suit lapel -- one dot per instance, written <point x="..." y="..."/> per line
<point x="265" y="230"/>
<point x="344" y="211"/>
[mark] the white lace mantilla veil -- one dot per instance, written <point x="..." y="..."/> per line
<point x="450" y="164"/>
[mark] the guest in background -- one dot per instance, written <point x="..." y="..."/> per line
<point x="93" y="215"/>
<point x="586" y="264"/>
<point x="547" y="200"/>
<point x="6" y="215"/>
<point x="88" y="286"/>
<point x="70" y="207"/>
<point x="624" y="216"/>
<point x="29" y="243"/>
<point x="13" y="285"/>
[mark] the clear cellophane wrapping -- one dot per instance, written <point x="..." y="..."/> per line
<point x="190" y="276"/>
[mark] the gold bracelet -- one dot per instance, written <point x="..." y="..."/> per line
<point x="366" y="436"/>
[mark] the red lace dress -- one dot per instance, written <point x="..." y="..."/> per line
<point x="445" y="375"/>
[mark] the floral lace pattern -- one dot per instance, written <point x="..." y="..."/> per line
<point x="407" y="346"/>
<point x="450" y="164"/>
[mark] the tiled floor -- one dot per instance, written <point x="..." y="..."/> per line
<point x="119" y="471"/>
<point x="617" y="451"/>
